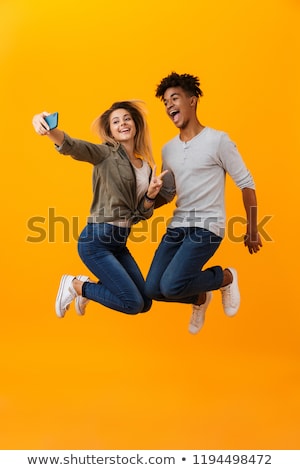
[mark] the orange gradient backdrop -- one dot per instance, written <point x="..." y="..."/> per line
<point x="111" y="381"/>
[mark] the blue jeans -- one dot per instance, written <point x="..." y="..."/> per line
<point x="176" y="273"/>
<point x="102" y="248"/>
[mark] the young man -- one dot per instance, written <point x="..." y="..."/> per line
<point x="197" y="161"/>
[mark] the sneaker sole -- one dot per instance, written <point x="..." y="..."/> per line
<point x="59" y="312"/>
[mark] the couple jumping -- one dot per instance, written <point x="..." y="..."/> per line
<point x="126" y="189"/>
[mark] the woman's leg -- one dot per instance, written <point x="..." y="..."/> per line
<point x="102" y="247"/>
<point x="131" y="267"/>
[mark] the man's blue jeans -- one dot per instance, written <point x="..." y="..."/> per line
<point x="102" y="248"/>
<point x="176" y="272"/>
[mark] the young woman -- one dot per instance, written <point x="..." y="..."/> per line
<point x="124" y="190"/>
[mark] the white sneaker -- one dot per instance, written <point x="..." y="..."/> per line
<point x="66" y="294"/>
<point x="231" y="295"/>
<point x="198" y="315"/>
<point x="81" y="302"/>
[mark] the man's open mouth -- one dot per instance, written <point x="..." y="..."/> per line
<point x="173" y="113"/>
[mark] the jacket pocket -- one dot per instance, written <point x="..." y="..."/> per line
<point x="125" y="171"/>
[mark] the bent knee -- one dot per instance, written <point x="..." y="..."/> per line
<point x="151" y="290"/>
<point x="147" y="305"/>
<point x="134" y="307"/>
<point x="170" y="290"/>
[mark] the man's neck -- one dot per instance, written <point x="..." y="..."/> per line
<point x="190" y="131"/>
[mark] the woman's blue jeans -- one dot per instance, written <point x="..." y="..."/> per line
<point x="102" y="248"/>
<point x="176" y="273"/>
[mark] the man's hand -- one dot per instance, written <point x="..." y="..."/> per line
<point x="253" y="242"/>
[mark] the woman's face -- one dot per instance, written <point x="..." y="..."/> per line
<point x="122" y="126"/>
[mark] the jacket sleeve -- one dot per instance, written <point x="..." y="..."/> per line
<point x="144" y="213"/>
<point x="84" y="151"/>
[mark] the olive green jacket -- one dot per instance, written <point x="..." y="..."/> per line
<point x="114" y="181"/>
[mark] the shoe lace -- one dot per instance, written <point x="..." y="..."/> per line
<point x="226" y="293"/>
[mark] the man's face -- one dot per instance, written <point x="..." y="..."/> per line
<point x="179" y="106"/>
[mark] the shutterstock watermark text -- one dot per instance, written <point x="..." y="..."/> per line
<point x="52" y="228"/>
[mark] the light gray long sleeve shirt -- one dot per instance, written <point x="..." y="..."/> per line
<point x="197" y="172"/>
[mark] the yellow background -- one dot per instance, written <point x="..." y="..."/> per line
<point x="111" y="381"/>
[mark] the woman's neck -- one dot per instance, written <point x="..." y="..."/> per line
<point x="129" y="147"/>
<point x="137" y="162"/>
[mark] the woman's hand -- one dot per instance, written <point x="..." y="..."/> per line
<point x="41" y="127"/>
<point x="39" y="123"/>
<point x="155" y="183"/>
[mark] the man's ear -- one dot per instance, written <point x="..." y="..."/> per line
<point x="193" y="100"/>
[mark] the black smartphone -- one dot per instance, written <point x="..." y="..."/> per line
<point x="52" y="120"/>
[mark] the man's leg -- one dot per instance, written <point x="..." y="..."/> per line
<point x="183" y="279"/>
